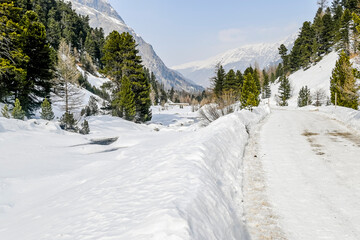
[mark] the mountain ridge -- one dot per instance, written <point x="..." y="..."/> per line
<point x="102" y="14"/>
<point x="264" y="54"/>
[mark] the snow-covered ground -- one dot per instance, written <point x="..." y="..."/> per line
<point x="169" y="179"/>
<point x="310" y="168"/>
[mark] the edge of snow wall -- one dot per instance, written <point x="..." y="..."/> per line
<point x="216" y="212"/>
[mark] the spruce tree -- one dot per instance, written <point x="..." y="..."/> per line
<point x="124" y="103"/>
<point x="230" y="81"/>
<point x="46" y="111"/>
<point x="284" y="91"/>
<point x="5" y="111"/>
<point x="266" y="86"/>
<point x="344" y="33"/>
<point x="343" y="86"/>
<point x="85" y="129"/>
<point x="218" y="80"/>
<point x="17" y="111"/>
<point x="284" y="56"/>
<point x="122" y="60"/>
<point x="304" y="97"/>
<point x="249" y="94"/>
<point x="40" y="65"/>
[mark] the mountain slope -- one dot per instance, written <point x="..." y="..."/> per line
<point x="102" y="14"/>
<point x="264" y="54"/>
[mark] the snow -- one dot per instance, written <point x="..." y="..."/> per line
<point x="316" y="77"/>
<point x="93" y="80"/>
<point x="179" y="181"/>
<point x="264" y="54"/>
<point x="311" y="169"/>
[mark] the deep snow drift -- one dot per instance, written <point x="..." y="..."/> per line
<point x="170" y="179"/>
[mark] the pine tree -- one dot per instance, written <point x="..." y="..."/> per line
<point x="304" y="97"/>
<point x="40" y="65"/>
<point x="5" y="111"/>
<point x="218" y="80"/>
<point x="85" y="129"/>
<point x="249" y="94"/>
<point x="344" y="33"/>
<point x="93" y="106"/>
<point x="46" y="111"/>
<point x="124" y="104"/>
<point x="343" y="86"/>
<point x="17" y="111"/>
<point x="122" y="60"/>
<point x="285" y="58"/>
<point x="266" y="86"/>
<point x="284" y="91"/>
<point x="67" y="122"/>
<point x="230" y="82"/>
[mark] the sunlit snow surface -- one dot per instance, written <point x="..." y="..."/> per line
<point x="168" y="179"/>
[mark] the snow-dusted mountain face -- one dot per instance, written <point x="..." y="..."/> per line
<point x="264" y="55"/>
<point x="102" y="14"/>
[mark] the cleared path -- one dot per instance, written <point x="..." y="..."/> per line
<point x="308" y="178"/>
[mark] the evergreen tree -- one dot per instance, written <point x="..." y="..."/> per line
<point x="239" y="80"/>
<point x="284" y="91"/>
<point x="93" y="106"/>
<point x="344" y="33"/>
<point x="46" y="111"/>
<point x="17" y="111"/>
<point x="304" y="98"/>
<point x="85" y="129"/>
<point x="218" y="80"/>
<point x="40" y="65"/>
<point x="67" y="122"/>
<point x="121" y="60"/>
<point x="124" y="104"/>
<point x="249" y="94"/>
<point x="5" y="111"/>
<point x="230" y="82"/>
<point x="285" y="58"/>
<point x="266" y="86"/>
<point x="327" y="33"/>
<point x="343" y="86"/>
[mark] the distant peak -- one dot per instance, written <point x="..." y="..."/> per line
<point x="102" y="6"/>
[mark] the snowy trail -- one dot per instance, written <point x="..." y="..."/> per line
<point x="311" y="166"/>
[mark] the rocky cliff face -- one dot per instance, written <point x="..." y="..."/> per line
<point x="102" y="14"/>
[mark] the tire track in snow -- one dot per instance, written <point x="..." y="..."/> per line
<point x="261" y="220"/>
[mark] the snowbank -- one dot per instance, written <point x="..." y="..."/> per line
<point x="148" y="184"/>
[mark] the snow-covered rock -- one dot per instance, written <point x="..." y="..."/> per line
<point x="102" y="14"/>
<point x="265" y="55"/>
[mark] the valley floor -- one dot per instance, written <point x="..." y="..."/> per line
<point x="302" y="178"/>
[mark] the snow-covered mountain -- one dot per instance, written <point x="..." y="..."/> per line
<point x="102" y="14"/>
<point x="264" y="54"/>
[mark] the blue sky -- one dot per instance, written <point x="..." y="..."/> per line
<point x="187" y="30"/>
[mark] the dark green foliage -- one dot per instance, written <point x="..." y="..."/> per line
<point x="344" y="35"/>
<point x="46" y="111"/>
<point x="67" y="122"/>
<point x="218" y="80"/>
<point x="171" y="94"/>
<point x="5" y="111"/>
<point x="283" y="51"/>
<point x="85" y="129"/>
<point x="266" y="90"/>
<point x="17" y="111"/>
<point x="249" y="94"/>
<point x="304" y="97"/>
<point x="121" y="60"/>
<point x="93" y="106"/>
<point x="343" y="86"/>
<point x="39" y="67"/>
<point x="284" y="91"/>
<point x="230" y="82"/>
<point x="124" y="103"/>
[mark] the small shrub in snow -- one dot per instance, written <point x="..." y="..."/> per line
<point x="319" y="97"/>
<point x="17" y="111"/>
<point x="284" y="91"/>
<point x="68" y="123"/>
<point x="5" y="111"/>
<point x="85" y="129"/>
<point x="304" y="97"/>
<point x="46" y="111"/>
